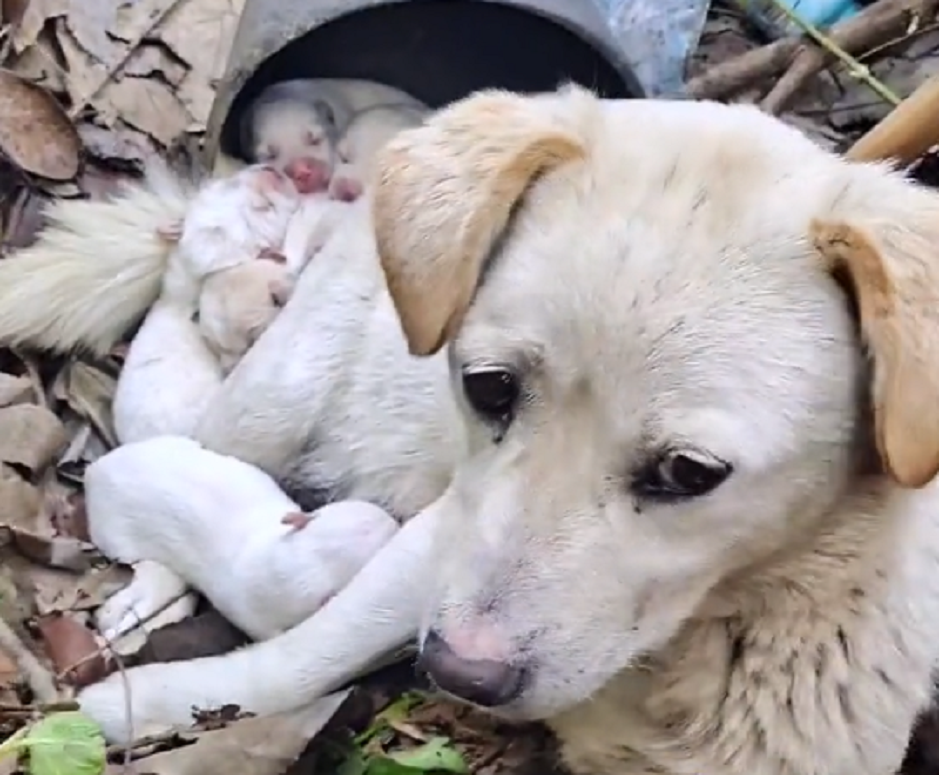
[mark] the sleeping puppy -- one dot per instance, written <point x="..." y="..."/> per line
<point x="660" y="381"/>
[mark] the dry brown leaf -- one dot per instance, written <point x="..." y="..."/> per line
<point x="35" y="132"/>
<point x="152" y="59"/>
<point x="9" y="673"/>
<point x="89" y="21"/>
<point x="148" y="105"/>
<point x="200" y="32"/>
<point x="84" y="72"/>
<point x="72" y="649"/>
<point x="30" y="436"/>
<point x="250" y="746"/>
<point x="19" y="500"/>
<point x="52" y="551"/>
<point x="90" y="72"/>
<point x="34" y="18"/>
<point x="12" y="11"/>
<point x="40" y="64"/>
<point x="88" y="391"/>
<point x="24" y="219"/>
<point x="15" y="390"/>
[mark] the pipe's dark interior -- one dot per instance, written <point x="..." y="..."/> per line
<point x="439" y="51"/>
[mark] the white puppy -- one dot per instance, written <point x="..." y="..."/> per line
<point x="220" y="513"/>
<point x="673" y="469"/>
<point x="357" y="149"/>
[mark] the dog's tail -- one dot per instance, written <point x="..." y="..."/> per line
<point x="95" y="269"/>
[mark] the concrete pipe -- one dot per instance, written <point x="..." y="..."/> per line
<point x="438" y="50"/>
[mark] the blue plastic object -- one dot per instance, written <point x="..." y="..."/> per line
<point x="820" y="13"/>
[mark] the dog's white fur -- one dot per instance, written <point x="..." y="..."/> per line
<point x="662" y="276"/>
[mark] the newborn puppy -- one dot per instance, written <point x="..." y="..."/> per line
<point x="291" y="127"/>
<point x="294" y="125"/>
<point x="234" y="220"/>
<point x="208" y="511"/>
<point x="368" y="131"/>
<point x="237" y="305"/>
<point x="231" y="241"/>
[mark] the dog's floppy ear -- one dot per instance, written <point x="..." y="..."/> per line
<point x="445" y="191"/>
<point x="893" y="270"/>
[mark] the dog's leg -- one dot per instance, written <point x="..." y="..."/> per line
<point x="377" y="612"/>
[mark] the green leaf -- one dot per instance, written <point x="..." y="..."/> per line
<point x="67" y="743"/>
<point x="436" y="755"/>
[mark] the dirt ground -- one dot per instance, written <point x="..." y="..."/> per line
<point x="104" y="85"/>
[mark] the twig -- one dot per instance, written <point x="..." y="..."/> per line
<point x="880" y="21"/>
<point x="811" y="60"/>
<point x="40" y="680"/>
<point x="39" y="709"/>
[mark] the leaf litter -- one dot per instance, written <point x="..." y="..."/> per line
<point x="102" y="85"/>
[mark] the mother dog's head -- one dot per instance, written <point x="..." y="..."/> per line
<point x="657" y="315"/>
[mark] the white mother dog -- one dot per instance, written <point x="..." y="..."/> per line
<point x="672" y="458"/>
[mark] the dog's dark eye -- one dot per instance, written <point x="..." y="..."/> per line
<point x="680" y="474"/>
<point x="491" y="392"/>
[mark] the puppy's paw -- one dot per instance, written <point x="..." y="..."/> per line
<point x="154" y="588"/>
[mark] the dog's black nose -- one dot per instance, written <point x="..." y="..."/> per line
<point x="485" y="682"/>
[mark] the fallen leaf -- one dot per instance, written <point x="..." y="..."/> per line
<point x="15" y="390"/>
<point x="35" y="132"/>
<point x="72" y="649"/>
<point x="253" y="746"/>
<point x="33" y="20"/>
<point x="12" y="11"/>
<point x="201" y="34"/>
<point x="39" y="63"/>
<point x="55" y="552"/>
<point x="436" y="755"/>
<point x="153" y="59"/>
<point x="68" y="742"/>
<point x="30" y="436"/>
<point x="68" y="515"/>
<point x="88" y="391"/>
<point x="89" y="21"/>
<point x="20" y="501"/>
<point x="148" y="105"/>
<point x="23" y="221"/>
<point x="59" y="591"/>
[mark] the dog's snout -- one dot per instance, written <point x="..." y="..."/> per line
<point x="488" y="683"/>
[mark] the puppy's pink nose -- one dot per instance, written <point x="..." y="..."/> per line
<point x="309" y="175"/>
<point x="488" y="683"/>
<point x="345" y="189"/>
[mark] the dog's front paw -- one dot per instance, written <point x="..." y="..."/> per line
<point x="154" y="588"/>
<point x="107" y="703"/>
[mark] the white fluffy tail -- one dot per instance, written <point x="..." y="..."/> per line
<point x="95" y="269"/>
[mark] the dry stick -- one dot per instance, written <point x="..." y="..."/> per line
<point x="812" y="60"/>
<point x="907" y="132"/>
<point x="877" y="22"/>
<point x="40" y="680"/>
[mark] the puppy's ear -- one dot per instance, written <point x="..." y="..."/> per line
<point x="893" y="271"/>
<point x="444" y="193"/>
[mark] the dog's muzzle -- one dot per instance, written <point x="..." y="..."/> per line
<point x="488" y="683"/>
